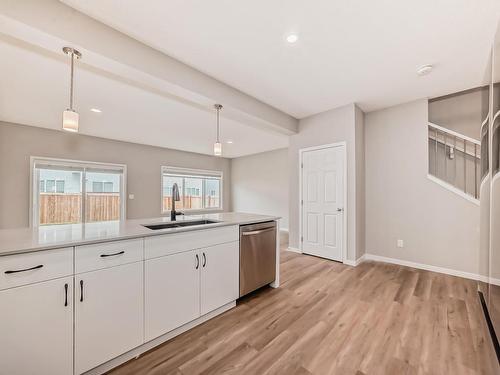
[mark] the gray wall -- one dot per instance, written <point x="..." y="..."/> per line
<point x="327" y="127"/>
<point x="462" y="112"/>
<point x="259" y="184"/>
<point x="438" y="227"/>
<point x="19" y="142"/>
<point x="359" y="123"/>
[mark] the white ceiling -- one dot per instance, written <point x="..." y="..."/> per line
<point x="348" y="50"/>
<point x="34" y="91"/>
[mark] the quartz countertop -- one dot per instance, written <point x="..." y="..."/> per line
<point x="14" y="241"/>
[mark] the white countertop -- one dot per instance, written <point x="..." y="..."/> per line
<point x="13" y="241"/>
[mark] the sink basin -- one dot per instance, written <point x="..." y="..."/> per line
<point x="179" y="224"/>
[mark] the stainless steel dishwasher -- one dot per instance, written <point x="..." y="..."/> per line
<point x="257" y="256"/>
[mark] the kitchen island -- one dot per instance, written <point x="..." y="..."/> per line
<point x="92" y="296"/>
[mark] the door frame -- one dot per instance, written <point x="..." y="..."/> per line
<point x="343" y="145"/>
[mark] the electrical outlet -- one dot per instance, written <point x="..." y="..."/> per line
<point x="401" y="243"/>
<point x="131" y="196"/>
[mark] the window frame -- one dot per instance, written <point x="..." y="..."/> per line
<point x="200" y="173"/>
<point x="71" y="163"/>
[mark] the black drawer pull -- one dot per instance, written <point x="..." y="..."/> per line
<point x="65" y="294"/>
<point x="112" y="255"/>
<point x="204" y="260"/>
<point x="81" y="290"/>
<point x="197" y="261"/>
<point x="26" y="269"/>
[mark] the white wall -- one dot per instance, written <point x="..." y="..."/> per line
<point x="259" y="184"/>
<point x="327" y="127"/>
<point x="438" y="227"/>
<point x="111" y="51"/>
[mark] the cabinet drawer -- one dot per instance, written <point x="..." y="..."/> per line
<point x="28" y="268"/>
<point x="175" y="243"/>
<point x="108" y="254"/>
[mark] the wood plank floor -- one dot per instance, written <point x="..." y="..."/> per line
<point x="328" y="318"/>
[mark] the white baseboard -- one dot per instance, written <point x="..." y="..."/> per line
<point x="427" y="267"/>
<point x="356" y="262"/>
<point x="421" y="266"/>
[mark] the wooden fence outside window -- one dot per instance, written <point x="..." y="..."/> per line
<point x="66" y="208"/>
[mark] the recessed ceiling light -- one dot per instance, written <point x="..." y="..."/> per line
<point x="292" y="38"/>
<point x="95" y="110"/>
<point x="229" y="142"/>
<point x="424" y="70"/>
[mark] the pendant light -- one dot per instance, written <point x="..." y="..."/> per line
<point x="217" y="144"/>
<point x="70" y="116"/>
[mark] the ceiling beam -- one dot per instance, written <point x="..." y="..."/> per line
<point x="50" y="25"/>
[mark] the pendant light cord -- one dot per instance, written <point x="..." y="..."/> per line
<point x="71" y="82"/>
<point x="218" y="124"/>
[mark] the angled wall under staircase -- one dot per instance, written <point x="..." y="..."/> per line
<point x="455" y="161"/>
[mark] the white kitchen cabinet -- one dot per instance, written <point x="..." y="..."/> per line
<point x="108" y="314"/>
<point x="36" y="328"/>
<point x="120" y="294"/>
<point x="106" y="255"/>
<point x="219" y="275"/>
<point x="172" y="292"/>
<point x="168" y="244"/>
<point x="30" y="268"/>
<point x="181" y="287"/>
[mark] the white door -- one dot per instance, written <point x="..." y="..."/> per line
<point x="323" y="202"/>
<point x="108" y="314"/>
<point x="172" y="292"/>
<point x="36" y="328"/>
<point x="220" y="272"/>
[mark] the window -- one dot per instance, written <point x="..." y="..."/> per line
<point x="97" y="187"/>
<point x="198" y="189"/>
<point x="60" y="186"/>
<point x="70" y="192"/>
<point x="50" y="186"/>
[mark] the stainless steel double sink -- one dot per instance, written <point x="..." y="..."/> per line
<point x="179" y="224"/>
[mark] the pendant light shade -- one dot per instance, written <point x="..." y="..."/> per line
<point x="70" y="120"/>
<point x="70" y="116"/>
<point x="217" y="149"/>
<point x="217" y="144"/>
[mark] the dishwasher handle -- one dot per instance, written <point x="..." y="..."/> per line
<point x="253" y="232"/>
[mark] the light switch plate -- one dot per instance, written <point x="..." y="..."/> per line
<point x="131" y="196"/>
<point x="401" y="243"/>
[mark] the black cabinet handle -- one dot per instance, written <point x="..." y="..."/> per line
<point x="81" y="290"/>
<point x="65" y="294"/>
<point x="197" y="261"/>
<point x="112" y="255"/>
<point x="204" y="260"/>
<point x="26" y="269"/>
